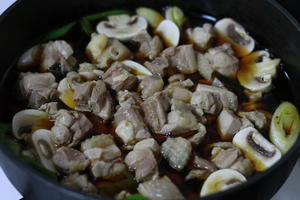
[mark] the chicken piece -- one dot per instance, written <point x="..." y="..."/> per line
<point x="105" y="156"/>
<point x="244" y="166"/>
<point x="70" y="127"/>
<point x="50" y="108"/>
<point x="198" y="138"/>
<point x="155" y="109"/>
<point x="160" y="189"/>
<point x="151" y="85"/>
<point x="148" y="143"/>
<point x="93" y="96"/>
<point x="143" y="162"/>
<point x="177" y="151"/>
<point x="131" y="127"/>
<point x="70" y="160"/>
<point x="104" y="51"/>
<point x="158" y="66"/>
<point x="178" y="90"/>
<point x="80" y="183"/>
<point x="180" y="120"/>
<point x="127" y="98"/>
<point x="229" y="124"/>
<point x="118" y="78"/>
<point x="58" y="53"/>
<point x="225" y="158"/>
<point x="89" y="71"/>
<point x="201" y="36"/>
<point x="258" y="118"/>
<point x="37" y="88"/>
<point x="176" y="78"/>
<point x="212" y="99"/>
<point x="220" y="59"/>
<point x="202" y="169"/>
<point x="150" y="47"/>
<point x="183" y="58"/>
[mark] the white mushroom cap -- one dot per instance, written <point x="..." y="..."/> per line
<point x="221" y="180"/>
<point x="257" y="70"/>
<point x="256" y="148"/>
<point x="122" y="27"/>
<point x="27" y="121"/>
<point x="45" y="148"/>
<point x="232" y="32"/>
<point x="169" y="32"/>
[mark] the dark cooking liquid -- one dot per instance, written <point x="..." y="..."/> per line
<point x="190" y="189"/>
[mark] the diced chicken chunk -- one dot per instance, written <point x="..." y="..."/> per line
<point x="131" y="127"/>
<point x="158" y="66"/>
<point x="244" y="166"/>
<point x="202" y="169"/>
<point x="150" y="144"/>
<point x="198" y="138"/>
<point x="183" y="58"/>
<point x="93" y="96"/>
<point x="211" y="99"/>
<point x="180" y="119"/>
<point x="122" y="195"/>
<point x="103" y="51"/>
<point x="37" y="88"/>
<point x="70" y="127"/>
<point x="127" y="98"/>
<point x="58" y="53"/>
<point x="105" y="156"/>
<point x="161" y="189"/>
<point x="150" y="47"/>
<point x="201" y="36"/>
<point x="80" y="183"/>
<point x="177" y="151"/>
<point x="118" y="78"/>
<point x="151" y="85"/>
<point x="143" y="162"/>
<point x="229" y="124"/>
<point x="225" y="158"/>
<point x="256" y="117"/>
<point x="70" y="160"/>
<point x="50" y="108"/>
<point x="155" y="109"/>
<point x="178" y="90"/>
<point x="89" y="71"/>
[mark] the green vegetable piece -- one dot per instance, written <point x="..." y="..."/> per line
<point x="98" y="16"/>
<point x="57" y="33"/>
<point x="136" y="197"/>
<point x="38" y="167"/>
<point x="5" y="139"/>
<point x="176" y="15"/>
<point x="86" y="26"/>
<point x="285" y="126"/>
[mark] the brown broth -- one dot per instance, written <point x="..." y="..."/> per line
<point x="190" y="189"/>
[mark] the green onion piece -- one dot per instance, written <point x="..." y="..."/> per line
<point x="98" y="16"/>
<point x="57" y="33"/>
<point x="86" y="26"/>
<point x="136" y="197"/>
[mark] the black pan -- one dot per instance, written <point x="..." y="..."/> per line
<point x="268" y="22"/>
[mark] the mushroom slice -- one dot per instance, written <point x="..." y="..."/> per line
<point x="257" y="70"/>
<point x="136" y="68"/>
<point x="256" y="148"/>
<point x="44" y="146"/>
<point x="176" y="15"/>
<point x="66" y="93"/>
<point x="169" y="32"/>
<point x="28" y="121"/>
<point x="285" y="126"/>
<point x="221" y="180"/>
<point x="153" y="17"/>
<point x="31" y="58"/>
<point x="232" y="32"/>
<point x="122" y="27"/>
